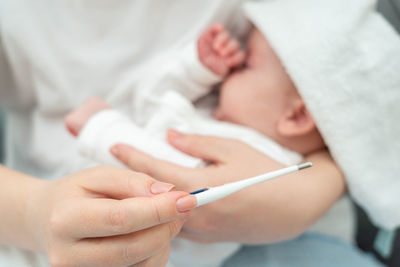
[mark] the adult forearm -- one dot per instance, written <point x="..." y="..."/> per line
<point x="277" y="210"/>
<point x="17" y="192"/>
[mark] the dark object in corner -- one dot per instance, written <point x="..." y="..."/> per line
<point x="365" y="238"/>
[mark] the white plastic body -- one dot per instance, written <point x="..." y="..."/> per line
<point x="218" y="192"/>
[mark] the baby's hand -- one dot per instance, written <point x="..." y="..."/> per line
<point x="218" y="51"/>
<point x="76" y="119"/>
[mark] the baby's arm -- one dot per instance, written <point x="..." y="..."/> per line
<point x="218" y="51"/>
<point x="77" y="119"/>
<point x="98" y="128"/>
<point x="190" y="70"/>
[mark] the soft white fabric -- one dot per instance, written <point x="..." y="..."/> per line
<point x="345" y="60"/>
<point x="110" y="127"/>
<point x="177" y="69"/>
<point x="181" y="72"/>
<point x="56" y="54"/>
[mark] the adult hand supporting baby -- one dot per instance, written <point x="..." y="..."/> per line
<point x="97" y="217"/>
<point x="276" y="210"/>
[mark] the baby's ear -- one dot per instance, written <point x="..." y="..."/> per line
<point x="296" y="120"/>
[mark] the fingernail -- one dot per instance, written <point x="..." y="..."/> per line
<point x="114" y="150"/>
<point x="186" y="203"/>
<point x="160" y="187"/>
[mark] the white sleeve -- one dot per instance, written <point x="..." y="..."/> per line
<point x="197" y="77"/>
<point x="179" y="71"/>
<point x="110" y="127"/>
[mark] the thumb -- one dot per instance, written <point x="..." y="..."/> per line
<point x="208" y="148"/>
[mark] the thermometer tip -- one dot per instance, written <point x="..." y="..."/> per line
<point x="304" y="165"/>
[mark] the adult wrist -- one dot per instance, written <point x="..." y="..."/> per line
<point x="34" y="212"/>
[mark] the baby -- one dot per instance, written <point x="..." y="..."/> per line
<point x="256" y="92"/>
<point x="258" y="104"/>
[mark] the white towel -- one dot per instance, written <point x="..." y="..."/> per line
<point x="345" y="61"/>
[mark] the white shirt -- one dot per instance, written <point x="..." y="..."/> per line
<point x="56" y="54"/>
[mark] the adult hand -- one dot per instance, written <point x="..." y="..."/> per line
<point x="107" y="217"/>
<point x="272" y="211"/>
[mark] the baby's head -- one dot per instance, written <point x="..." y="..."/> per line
<point x="262" y="96"/>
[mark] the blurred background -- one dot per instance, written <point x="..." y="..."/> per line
<point x="390" y="9"/>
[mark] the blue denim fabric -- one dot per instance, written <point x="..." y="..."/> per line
<point x="308" y="250"/>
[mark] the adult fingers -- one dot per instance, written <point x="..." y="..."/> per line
<point x="123" y="250"/>
<point x="106" y="217"/>
<point x="159" y="169"/>
<point x="114" y="182"/>
<point x="160" y="259"/>
<point x="208" y="148"/>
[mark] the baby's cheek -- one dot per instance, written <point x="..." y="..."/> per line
<point x="223" y="109"/>
<point x="233" y="95"/>
<point x="227" y="110"/>
<point x="217" y="114"/>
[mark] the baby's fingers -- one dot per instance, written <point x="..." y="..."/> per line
<point x="230" y="48"/>
<point x="210" y="33"/>
<point x="215" y="29"/>
<point x="236" y="59"/>
<point x="220" y="41"/>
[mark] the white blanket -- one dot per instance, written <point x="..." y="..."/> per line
<point x="345" y="61"/>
